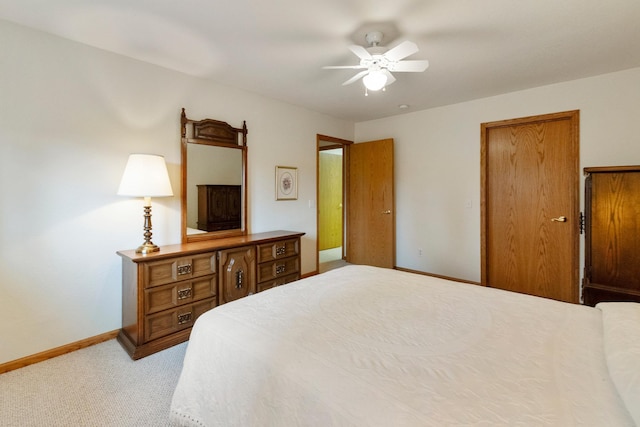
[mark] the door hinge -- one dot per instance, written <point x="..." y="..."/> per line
<point x="582" y="223"/>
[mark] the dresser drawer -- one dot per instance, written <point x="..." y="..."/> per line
<point x="173" y="295"/>
<point x="167" y="322"/>
<point x="158" y="273"/>
<point x="276" y="269"/>
<point x="278" y="250"/>
<point x="277" y="282"/>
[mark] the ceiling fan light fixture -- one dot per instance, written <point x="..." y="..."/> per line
<point x="374" y="80"/>
<point x="377" y="63"/>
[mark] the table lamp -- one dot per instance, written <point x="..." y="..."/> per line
<point x="146" y="176"/>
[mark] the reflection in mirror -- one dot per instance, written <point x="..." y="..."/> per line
<point x="214" y="178"/>
<point x="214" y="168"/>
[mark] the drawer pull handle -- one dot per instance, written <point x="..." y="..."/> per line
<point x="184" y="318"/>
<point x="184" y="293"/>
<point x="281" y="268"/>
<point x="184" y="269"/>
<point x="280" y="250"/>
<point x="239" y="279"/>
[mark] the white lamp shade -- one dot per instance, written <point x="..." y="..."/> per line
<point x="145" y="176"/>
<point x="375" y="80"/>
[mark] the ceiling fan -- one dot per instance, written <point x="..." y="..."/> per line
<point x="378" y="63"/>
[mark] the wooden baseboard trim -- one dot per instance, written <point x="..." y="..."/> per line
<point x="58" y="351"/>
<point x="438" y="276"/>
<point x="408" y="270"/>
<point x="309" y="274"/>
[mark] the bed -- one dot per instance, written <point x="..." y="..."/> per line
<point x="365" y="346"/>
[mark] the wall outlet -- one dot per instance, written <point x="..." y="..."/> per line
<point x="419" y="251"/>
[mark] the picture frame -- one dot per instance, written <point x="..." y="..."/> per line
<point x="286" y="183"/>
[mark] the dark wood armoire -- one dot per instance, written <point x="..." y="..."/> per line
<point x="219" y="207"/>
<point x="612" y="232"/>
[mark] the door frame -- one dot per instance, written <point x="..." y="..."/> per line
<point x="325" y="142"/>
<point x="573" y="193"/>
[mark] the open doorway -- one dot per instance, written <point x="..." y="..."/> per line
<point x="331" y="202"/>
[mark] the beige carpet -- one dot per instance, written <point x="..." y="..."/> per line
<point x="95" y="386"/>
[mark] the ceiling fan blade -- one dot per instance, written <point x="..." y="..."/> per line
<point x="416" y="66"/>
<point x="401" y="51"/>
<point x="339" y="67"/>
<point x="390" y="78"/>
<point x="360" y="51"/>
<point x="355" y="78"/>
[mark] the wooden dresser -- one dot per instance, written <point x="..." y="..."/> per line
<point x="164" y="292"/>
<point x="612" y="239"/>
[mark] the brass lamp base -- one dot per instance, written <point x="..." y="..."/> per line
<point x="147" y="248"/>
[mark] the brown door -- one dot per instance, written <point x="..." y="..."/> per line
<point x="530" y="190"/>
<point x="371" y="205"/>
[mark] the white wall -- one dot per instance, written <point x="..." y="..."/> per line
<point x="69" y="117"/>
<point x="437" y="155"/>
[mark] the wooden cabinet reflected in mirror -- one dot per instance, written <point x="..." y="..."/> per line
<point x="219" y="207"/>
<point x="214" y="177"/>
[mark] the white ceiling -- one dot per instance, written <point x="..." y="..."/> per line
<point x="277" y="48"/>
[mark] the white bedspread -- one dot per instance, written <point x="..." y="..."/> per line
<point x="363" y="346"/>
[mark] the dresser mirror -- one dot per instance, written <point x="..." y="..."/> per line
<point x="214" y="179"/>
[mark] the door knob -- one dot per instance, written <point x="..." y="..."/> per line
<point x="560" y="219"/>
<point x="387" y="212"/>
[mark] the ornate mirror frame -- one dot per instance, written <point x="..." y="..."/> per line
<point x="214" y="133"/>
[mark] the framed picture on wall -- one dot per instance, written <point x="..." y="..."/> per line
<point x="286" y="183"/>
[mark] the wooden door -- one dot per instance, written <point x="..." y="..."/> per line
<point x="330" y="200"/>
<point x="530" y="210"/>
<point x="371" y="204"/>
